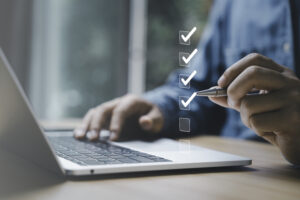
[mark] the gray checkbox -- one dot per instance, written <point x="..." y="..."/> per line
<point x="184" y="145"/>
<point x="181" y="106"/>
<point x="181" y="41"/>
<point x="181" y="61"/>
<point x="180" y="84"/>
<point x="184" y="124"/>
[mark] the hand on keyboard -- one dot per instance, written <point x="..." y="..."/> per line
<point x="138" y="114"/>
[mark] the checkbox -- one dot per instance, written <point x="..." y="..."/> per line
<point x="182" y="63"/>
<point x="180" y="84"/>
<point x="185" y="125"/>
<point x="185" y="99"/>
<point x="184" y="145"/>
<point x="181" y="41"/>
<point x="185" y="36"/>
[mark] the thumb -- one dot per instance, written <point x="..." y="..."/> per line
<point x="152" y="121"/>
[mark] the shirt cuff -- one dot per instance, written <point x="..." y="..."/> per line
<point x="163" y="103"/>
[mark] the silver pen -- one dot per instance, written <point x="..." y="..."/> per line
<point x="222" y="92"/>
<point x="213" y="92"/>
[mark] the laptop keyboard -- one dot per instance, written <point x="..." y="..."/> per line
<point x="98" y="153"/>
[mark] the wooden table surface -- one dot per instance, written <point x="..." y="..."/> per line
<point x="269" y="177"/>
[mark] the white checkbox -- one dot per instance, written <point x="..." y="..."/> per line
<point x="185" y="58"/>
<point x="181" y="84"/>
<point x="189" y="78"/>
<point x="185" y="36"/>
<point x="180" y="56"/>
<point x="186" y="103"/>
<point x="181" y="41"/>
<point x="182" y="103"/>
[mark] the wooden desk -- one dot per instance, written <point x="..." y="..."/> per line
<point x="270" y="177"/>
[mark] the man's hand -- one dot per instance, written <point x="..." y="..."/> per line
<point x="112" y="116"/>
<point x="275" y="113"/>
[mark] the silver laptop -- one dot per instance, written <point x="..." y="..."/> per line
<point x="21" y="133"/>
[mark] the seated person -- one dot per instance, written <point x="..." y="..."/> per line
<point x="247" y="45"/>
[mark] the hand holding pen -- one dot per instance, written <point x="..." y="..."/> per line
<point x="275" y="116"/>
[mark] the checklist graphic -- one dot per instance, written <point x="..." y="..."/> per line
<point x="187" y="81"/>
<point x="184" y="58"/>
<point x="185" y="85"/>
<point x="184" y="124"/>
<point x="189" y="100"/>
<point x="185" y="36"/>
<point x="184" y="103"/>
<point x="187" y="59"/>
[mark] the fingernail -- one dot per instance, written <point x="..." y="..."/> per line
<point x="78" y="133"/>
<point x="222" y="81"/>
<point x="113" y="136"/>
<point x="91" y="135"/>
<point x="147" y="124"/>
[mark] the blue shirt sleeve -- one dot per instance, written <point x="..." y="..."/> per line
<point x="205" y="116"/>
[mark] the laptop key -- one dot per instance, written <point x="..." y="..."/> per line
<point x="142" y="159"/>
<point x="114" y="162"/>
<point x="98" y="153"/>
<point x="100" y="157"/>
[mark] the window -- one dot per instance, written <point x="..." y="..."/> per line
<point x="87" y="52"/>
<point x="79" y="55"/>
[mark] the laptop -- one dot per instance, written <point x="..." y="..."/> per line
<point x="59" y="152"/>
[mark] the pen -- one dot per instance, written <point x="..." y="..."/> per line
<point x="214" y="92"/>
<point x="222" y="92"/>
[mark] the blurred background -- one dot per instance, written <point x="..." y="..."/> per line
<point x="71" y="55"/>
